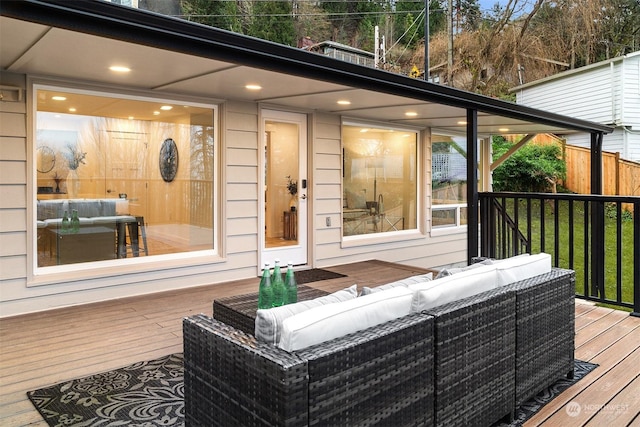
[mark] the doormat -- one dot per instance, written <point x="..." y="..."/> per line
<point x="152" y="393"/>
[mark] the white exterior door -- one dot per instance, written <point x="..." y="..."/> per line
<point x="284" y="187"/>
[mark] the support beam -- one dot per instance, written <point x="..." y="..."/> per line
<point x="472" y="184"/>
<point x="512" y="150"/>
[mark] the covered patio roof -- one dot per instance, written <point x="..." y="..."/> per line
<point x="80" y="40"/>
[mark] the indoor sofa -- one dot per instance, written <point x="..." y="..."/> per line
<point x="469" y="361"/>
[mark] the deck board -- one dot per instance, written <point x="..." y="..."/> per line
<point x="45" y="348"/>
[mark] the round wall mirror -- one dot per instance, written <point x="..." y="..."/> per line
<point x="46" y="159"/>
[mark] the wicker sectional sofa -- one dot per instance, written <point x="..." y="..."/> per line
<point x="466" y="362"/>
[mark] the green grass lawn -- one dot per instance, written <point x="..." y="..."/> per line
<point x="611" y="247"/>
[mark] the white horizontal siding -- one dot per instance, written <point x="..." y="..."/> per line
<point x="585" y="95"/>
<point x="631" y="94"/>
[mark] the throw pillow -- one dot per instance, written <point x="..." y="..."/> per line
<point x="269" y="321"/>
<point x="356" y="200"/>
<point x="454" y="270"/>
<point x="452" y="288"/>
<point x="515" y="269"/>
<point x="331" y="321"/>
<point x="404" y="282"/>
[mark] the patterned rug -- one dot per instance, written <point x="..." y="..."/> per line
<point x="149" y="394"/>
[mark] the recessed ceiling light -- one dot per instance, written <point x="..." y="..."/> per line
<point x="166" y="107"/>
<point x="253" y="87"/>
<point x="130" y="117"/>
<point x="120" y="69"/>
<point x="59" y="98"/>
<point x="344" y="102"/>
<point x="364" y="130"/>
<point x="72" y="110"/>
<point x="156" y="113"/>
<point x="503" y="129"/>
<point x="411" y="114"/>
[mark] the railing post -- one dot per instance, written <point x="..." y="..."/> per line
<point x="636" y="259"/>
<point x="597" y="218"/>
<point x="472" y="184"/>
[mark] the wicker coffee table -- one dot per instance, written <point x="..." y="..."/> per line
<point x="240" y="311"/>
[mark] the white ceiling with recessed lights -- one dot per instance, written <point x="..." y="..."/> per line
<point x="38" y="50"/>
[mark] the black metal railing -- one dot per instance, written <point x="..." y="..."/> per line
<point x="597" y="236"/>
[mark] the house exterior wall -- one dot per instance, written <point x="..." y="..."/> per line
<point x="607" y="93"/>
<point x="238" y="207"/>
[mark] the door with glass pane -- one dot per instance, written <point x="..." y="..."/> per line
<point x="284" y="186"/>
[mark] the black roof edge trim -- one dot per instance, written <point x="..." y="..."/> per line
<point x="151" y="29"/>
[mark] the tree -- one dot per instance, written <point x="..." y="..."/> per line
<point x="219" y="14"/>
<point x="533" y="168"/>
<point x="273" y="20"/>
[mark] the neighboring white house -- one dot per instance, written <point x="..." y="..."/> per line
<point x="194" y="139"/>
<point x="607" y="92"/>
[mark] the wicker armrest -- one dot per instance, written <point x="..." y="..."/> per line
<point x="475" y="359"/>
<point x="545" y="331"/>
<point x="231" y="379"/>
<point x="383" y="375"/>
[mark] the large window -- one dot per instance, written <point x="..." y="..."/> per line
<point x="380" y="186"/>
<point x="119" y="177"/>
<point x="448" y="181"/>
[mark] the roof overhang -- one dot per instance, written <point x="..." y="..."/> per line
<point x="79" y="40"/>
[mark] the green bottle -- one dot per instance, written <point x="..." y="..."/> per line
<point x="278" y="285"/>
<point x="290" y="285"/>
<point x="66" y="226"/>
<point x="75" y="221"/>
<point x="265" y="291"/>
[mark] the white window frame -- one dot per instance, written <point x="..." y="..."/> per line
<point x="388" y="236"/>
<point x="55" y="275"/>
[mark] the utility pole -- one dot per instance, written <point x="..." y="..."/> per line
<point x="450" y="43"/>
<point x="426" y="40"/>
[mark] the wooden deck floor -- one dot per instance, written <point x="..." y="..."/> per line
<point x="42" y="349"/>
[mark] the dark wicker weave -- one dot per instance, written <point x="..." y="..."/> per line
<point x="475" y="359"/>
<point x="382" y="375"/>
<point x="240" y="311"/>
<point x="472" y="363"/>
<point x="545" y="331"/>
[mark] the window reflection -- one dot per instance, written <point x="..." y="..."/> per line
<point x="137" y="175"/>
<point x="448" y="181"/>
<point x="379" y="180"/>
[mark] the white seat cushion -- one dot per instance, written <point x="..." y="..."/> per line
<point x="521" y="268"/>
<point x="269" y="321"/>
<point x="454" y="287"/>
<point x="331" y="321"/>
<point x="421" y="278"/>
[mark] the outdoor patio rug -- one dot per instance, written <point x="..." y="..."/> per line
<point x="152" y="394"/>
<point x="315" y="275"/>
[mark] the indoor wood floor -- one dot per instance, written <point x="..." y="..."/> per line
<point x="41" y="349"/>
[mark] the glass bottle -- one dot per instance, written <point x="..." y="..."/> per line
<point x="75" y="221"/>
<point x="265" y="291"/>
<point x="65" y="223"/>
<point x="278" y="285"/>
<point x="290" y="285"/>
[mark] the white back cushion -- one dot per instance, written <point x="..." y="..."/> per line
<point x="421" y="278"/>
<point x="454" y="287"/>
<point x="521" y="268"/>
<point x="269" y="321"/>
<point x="331" y="321"/>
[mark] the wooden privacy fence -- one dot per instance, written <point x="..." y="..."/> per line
<point x="620" y="177"/>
